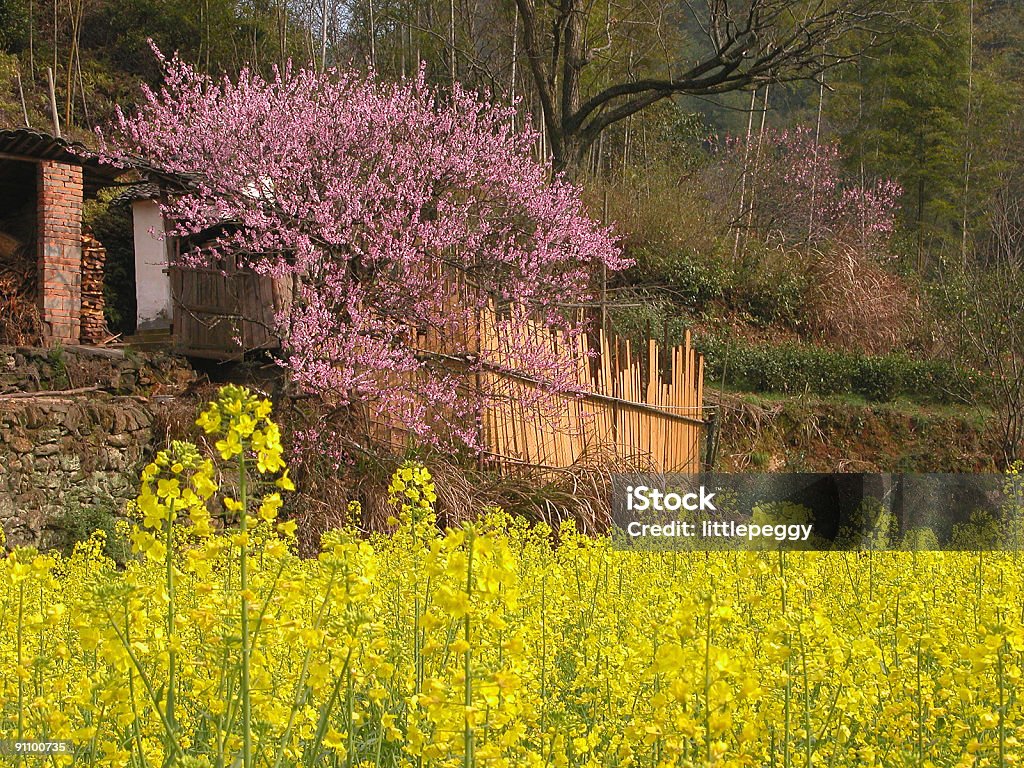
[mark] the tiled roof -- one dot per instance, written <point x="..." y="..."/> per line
<point x="30" y="144"/>
<point x="144" y="190"/>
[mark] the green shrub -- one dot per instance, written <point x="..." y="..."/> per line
<point x="60" y="367"/>
<point x="690" y="278"/>
<point x="771" y="293"/>
<point x="644" y="317"/>
<point x="78" y="522"/>
<point x="881" y="378"/>
<point x="768" y="287"/>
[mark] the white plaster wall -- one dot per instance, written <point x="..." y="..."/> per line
<point x="152" y="284"/>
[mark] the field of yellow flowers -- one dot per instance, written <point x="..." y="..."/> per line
<point x="488" y="646"/>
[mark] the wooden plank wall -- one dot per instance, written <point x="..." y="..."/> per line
<point x="221" y="314"/>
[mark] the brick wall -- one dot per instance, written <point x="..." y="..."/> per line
<point x="60" y="251"/>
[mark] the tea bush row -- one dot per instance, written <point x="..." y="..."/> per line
<point x="792" y="367"/>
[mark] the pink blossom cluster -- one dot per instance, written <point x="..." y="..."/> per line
<point x="393" y="209"/>
<point x="794" y="187"/>
<point x="870" y="211"/>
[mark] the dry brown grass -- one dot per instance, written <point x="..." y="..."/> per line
<point x="857" y="303"/>
<point x="20" y="325"/>
<point x="464" y="493"/>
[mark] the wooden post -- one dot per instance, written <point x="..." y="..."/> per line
<point x="21" y="94"/>
<point x="53" y="103"/>
<point x="710" y="440"/>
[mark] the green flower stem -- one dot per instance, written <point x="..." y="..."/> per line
<point x="171" y="654"/>
<point x="302" y="691"/>
<point x="136" y="735"/>
<point x="467" y="734"/>
<point x="172" y="741"/>
<point x="244" y="576"/>
<point x="21" y="664"/>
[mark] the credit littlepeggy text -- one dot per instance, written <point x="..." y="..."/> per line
<point x="720" y="529"/>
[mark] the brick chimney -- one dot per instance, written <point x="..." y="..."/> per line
<point x="60" y="251"/>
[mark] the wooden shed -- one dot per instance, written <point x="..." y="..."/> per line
<point x="217" y="312"/>
<point x="44" y="181"/>
<point x="224" y="312"/>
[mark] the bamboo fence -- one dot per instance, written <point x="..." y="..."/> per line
<point x="637" y="411"/>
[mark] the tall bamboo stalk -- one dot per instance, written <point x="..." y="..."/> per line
<point x="373" y="36"/>
<point x="743" y="176"/>
<point x="817" y="144"/>
<point x="968" y="121"/>
<point x="323" y="35"/>
<point x="451" y="40"/>
<point x="757" y="161"/>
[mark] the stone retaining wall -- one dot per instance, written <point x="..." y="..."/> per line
<point x="61" y="455"/>
<point x="76" y="425"/>
<point x="32" y="369"/>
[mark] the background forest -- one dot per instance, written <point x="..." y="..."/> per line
<point x="831" y="199"/>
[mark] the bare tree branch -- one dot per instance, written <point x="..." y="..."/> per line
<point x="746" y="43"/>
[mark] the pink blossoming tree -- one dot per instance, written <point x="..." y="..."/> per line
<point x="793" y="190"/>
<point x="374" y="201"/>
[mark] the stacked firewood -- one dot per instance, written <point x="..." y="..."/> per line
<point x="19" y="315"/>
<point x="94" y="258"/>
